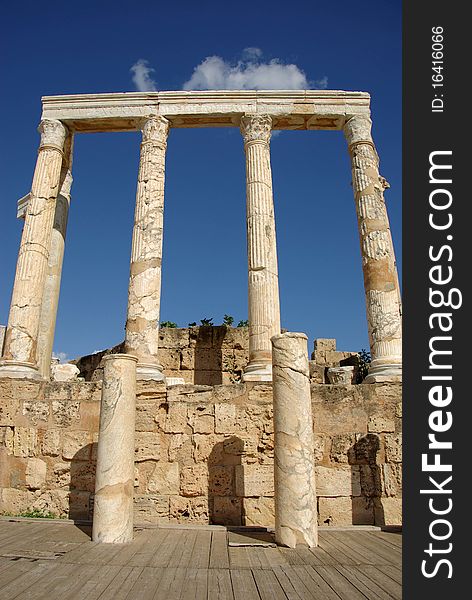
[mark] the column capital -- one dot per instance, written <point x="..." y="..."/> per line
<point x="358" y="129"/>
<point x="155" y="129"/>
<point x="53" y="134"/>
<point x="256" y="128"/>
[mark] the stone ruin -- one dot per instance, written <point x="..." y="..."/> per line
<point x="202" y="422"/>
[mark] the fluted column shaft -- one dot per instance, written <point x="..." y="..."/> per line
<point x="263" y="285"/>
<point x="144" y="295"/>
<point x="382" y="291"/>
<point x="47" y="324"/>
<point x="20" y="355"/>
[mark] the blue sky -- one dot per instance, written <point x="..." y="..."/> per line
<point x="65" y="48"/>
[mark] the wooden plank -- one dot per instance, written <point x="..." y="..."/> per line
<point x="219" y="584"/>
<point x="244" y="586"/>
<point x="238" y="557"/>
<point x="257" y="558"/>
<point x="195" y="584"/>
<point x="57" y="583"/>
<point x="393" y="572"/>
<point x="359" y="554"/>
<point x="156" y="549"/>
<point x="146" y="585"/>
<point x="365" y="585"/>
<point x="396" y="539"/>
<point x="392" y="555"/>
<point x="292" y="585"/>
<point x="200" y="558"/>
<point x="268" y="585"/>
<point x="181" y="549"/>
<point x="120" y="586"/>
<point x="173" y="579"/>
<point x="274" y="557"/>
<point x="314" y="556"/>
<point x="219" y="557"/>
<point x="17" y="587"/>
<point x="127" y="551"/>
<point x="76" y="555"/>
<point x="340" y="555"/>
<point x="338" y="582"/>
<point x="92" y="588"/>
<point x="16" y="569"/>
<point x="393" y="588"/>
<point x="316" y="583"/>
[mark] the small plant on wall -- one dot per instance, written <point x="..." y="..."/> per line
<point x="170" y="324"/>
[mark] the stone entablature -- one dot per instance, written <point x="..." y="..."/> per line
<point x="203" y="454"/>
<point x="291" y="109"/>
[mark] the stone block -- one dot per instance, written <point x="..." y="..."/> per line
<point x="65" y="412"/>
<point x="194" y="480"/>
<point x="259" y="512"/>
<point x="170" y="359"/>
<point x="60" y="477"/>
<point x="76" y="445"/>
<point x="176" y="418"/>
<point x="180" y="447"/>
<point x="388" y="511"/>
<point x="170" y="337"/>
<point x="393" y="447"/>
<point x="189" y="510"/>
<point x="342" y="446"/>
<point x="254" y="480"/>
<point x="165" y="479"/>
<point x="82" y="476"/>
<point x="392" y="479"/>
<point x="319" y="447"/>
<point x="35" y="473"/>
<point x="7" y="438"/>
<point x="24" y="441"/>
<point x="36" y="411"/>
<point x="370" y="478"/>
<point x="362" y="511"/>
<point x="80" y="505"/>
<point x="147" y="446"/>
<point x="201" y="419"/>
<point x="51" y="444"/>
<point x="226" y="511"/>
<point x="151" y="508"/>
<point x="64" y="372"/>
<point x="15" y="501"/>
<point x="337" y="481"/>
<point x="221" y="480"/>
<point x="335" y="511"/>
<point x="240" y="446"/>
<point x="324" y="344"/>
<point x="380" y="424"/>
<point x="317" y="372"/>
<point x="225" y="418"/>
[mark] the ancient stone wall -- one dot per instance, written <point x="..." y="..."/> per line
<point x="203" y="453"/>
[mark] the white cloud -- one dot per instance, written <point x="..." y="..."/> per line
<point x="250" y="73"/>
<point x="142" y="78"/>
<point x="60" y="356"/>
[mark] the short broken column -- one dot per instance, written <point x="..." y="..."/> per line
<point x="114" y="483"/>
<point x="294" y="470"/>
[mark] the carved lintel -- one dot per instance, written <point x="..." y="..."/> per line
<point x="256" y="128"/>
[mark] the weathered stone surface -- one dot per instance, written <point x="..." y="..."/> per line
<point x="76" y="445"/>
<point x="64" y="412"/>
<point x="36" y="411"/>
<point x="380" y="424"/>
<point x="342" y="447"/>
<point x="64" y="372"/>
<point x="254" y="480"/>
<point x="221" y="480"/>
<point x="188" y="510"/>
<point x="337" y="481"/>
<point x="259" y="512"/>
<point x="51" y="444"/>
<point x="341" y="375"/>
<point x="176" y="418"/>
<point x="226" y="511"/>
<point x="388" y="511"/>
<point x="225" y="418"/>
<point x="335" y="511"/>
<point x="151" y="508"/>
<point x="147" y="446"/>
<point x="180" y="447"/>
<point x="194" y="480"/>
<point x="165" y="479"/>
<point x="363" y="511"/>
<point x="35" y="473"/>
<point x="24" y="441"/>
<point x="393" y="447"/>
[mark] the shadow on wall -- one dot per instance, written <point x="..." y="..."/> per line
<point x="365" y="471"/>
<point x="224" y="474"/>
<point x="82" y="483"/>
<point x="209" y="355"/>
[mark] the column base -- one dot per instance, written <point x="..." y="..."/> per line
<point x="149" y="371"/>
<point x="257" y="371"/>
<point x="19" y="370"/>
<point x="385" y="373"/>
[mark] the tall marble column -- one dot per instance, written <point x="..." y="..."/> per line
<point x="263" y="284"/>
<point x="47" y="323"/>
<point x="294" y="458"/>
<point x="114" y="481"/>
<point x="20" y="353"/>
<point x="144" y="295"/>
<point x="382" y="290"/>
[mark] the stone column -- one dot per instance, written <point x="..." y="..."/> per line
<point x="294" y="469"/>
<point x="381" y="285"/>
<point x="47" y="323"/>
<point x="263" y="284"/>
<point x="114" y="482"/>
<point x="144" y="295"/>
<point x="20" y="354"/>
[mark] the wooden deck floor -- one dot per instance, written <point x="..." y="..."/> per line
<point x="40" y="560"/>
